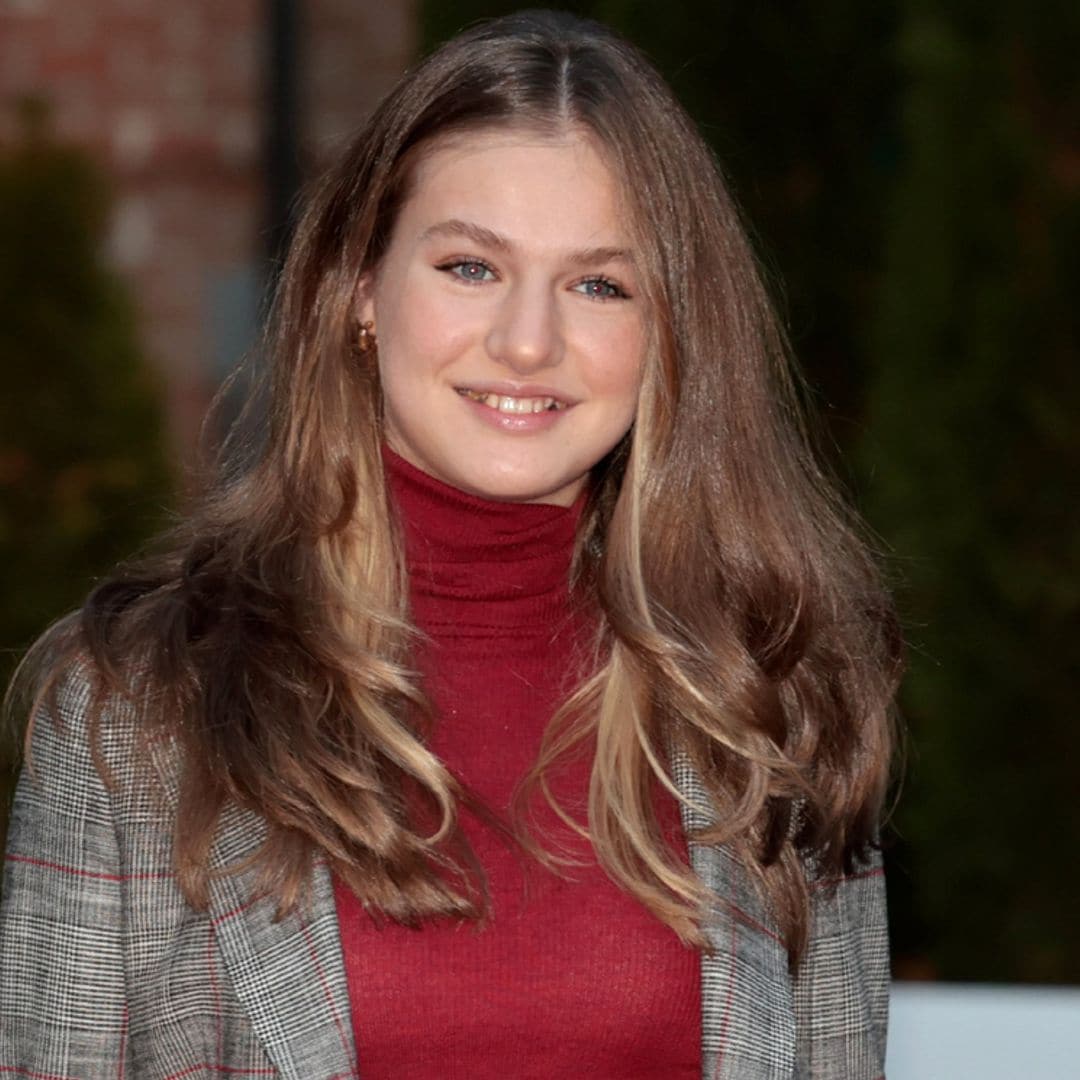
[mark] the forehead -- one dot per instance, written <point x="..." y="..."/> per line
<point x="519" y="178"/>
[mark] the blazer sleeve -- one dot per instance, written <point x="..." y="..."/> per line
<point x="842" y="985"/>
<point x="62" y="988"/>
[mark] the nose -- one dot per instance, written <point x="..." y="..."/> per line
<point x="525" y="333"/>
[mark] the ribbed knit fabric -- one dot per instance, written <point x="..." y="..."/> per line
<point x="572" y="977"/>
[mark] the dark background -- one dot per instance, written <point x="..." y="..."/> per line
<point x="912" y="173"/>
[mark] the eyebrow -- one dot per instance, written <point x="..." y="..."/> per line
<point x="488" y="238"/>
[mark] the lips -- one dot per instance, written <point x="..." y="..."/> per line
<point x="515" y="404"/>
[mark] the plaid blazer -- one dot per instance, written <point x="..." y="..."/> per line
<point x="105" y="971"/>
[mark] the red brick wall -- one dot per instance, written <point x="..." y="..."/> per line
<point x="169" y="98"/>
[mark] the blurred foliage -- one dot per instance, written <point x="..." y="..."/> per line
<point x="973" y="445"/>
<point x="913" y="168"/>
<point x="83" y="475"/>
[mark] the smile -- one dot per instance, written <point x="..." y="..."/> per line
<point x="506" y="404"/>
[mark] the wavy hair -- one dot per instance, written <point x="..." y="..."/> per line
<point x="743" y="625"/>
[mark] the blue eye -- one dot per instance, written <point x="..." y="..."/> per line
<point x="470" y="270"/>
<point x="601" y="288"/>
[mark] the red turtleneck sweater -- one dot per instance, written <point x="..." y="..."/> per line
<point x="572" y="977"/>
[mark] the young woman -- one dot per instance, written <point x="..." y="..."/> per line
<point x="517" y="704"/>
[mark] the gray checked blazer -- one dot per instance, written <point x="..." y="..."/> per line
<point x="105" y="971"/>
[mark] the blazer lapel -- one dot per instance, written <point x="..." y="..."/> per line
<point x="288" y="973"/>
<point x="747" y="1006"/>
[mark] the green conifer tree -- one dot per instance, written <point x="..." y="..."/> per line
<point x="83" y="473"/>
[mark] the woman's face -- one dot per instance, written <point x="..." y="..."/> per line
<point x="510" y="330"/>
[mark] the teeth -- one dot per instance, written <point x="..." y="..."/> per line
<point x="505" y="403"/>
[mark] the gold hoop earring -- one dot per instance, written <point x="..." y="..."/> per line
<point x="365" y="338"/>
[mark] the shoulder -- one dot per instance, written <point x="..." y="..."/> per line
<point x="91" y="799"/>
<point x="90" y="753"/>
<point x="77" y="722"/>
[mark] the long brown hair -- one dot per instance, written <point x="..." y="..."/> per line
<point x="743" y="624"/>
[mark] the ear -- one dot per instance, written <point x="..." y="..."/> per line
<point x="365" y="298"/>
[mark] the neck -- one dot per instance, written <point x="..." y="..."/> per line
<point x="479" y="565"/>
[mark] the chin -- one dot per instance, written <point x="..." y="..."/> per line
<point x="523" y="489"/>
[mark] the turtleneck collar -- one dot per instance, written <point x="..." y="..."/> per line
<point x="479" y="568"/>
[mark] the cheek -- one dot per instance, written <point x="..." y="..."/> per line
<point x="618" y="359"/>
<point x="420" y="331"/>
